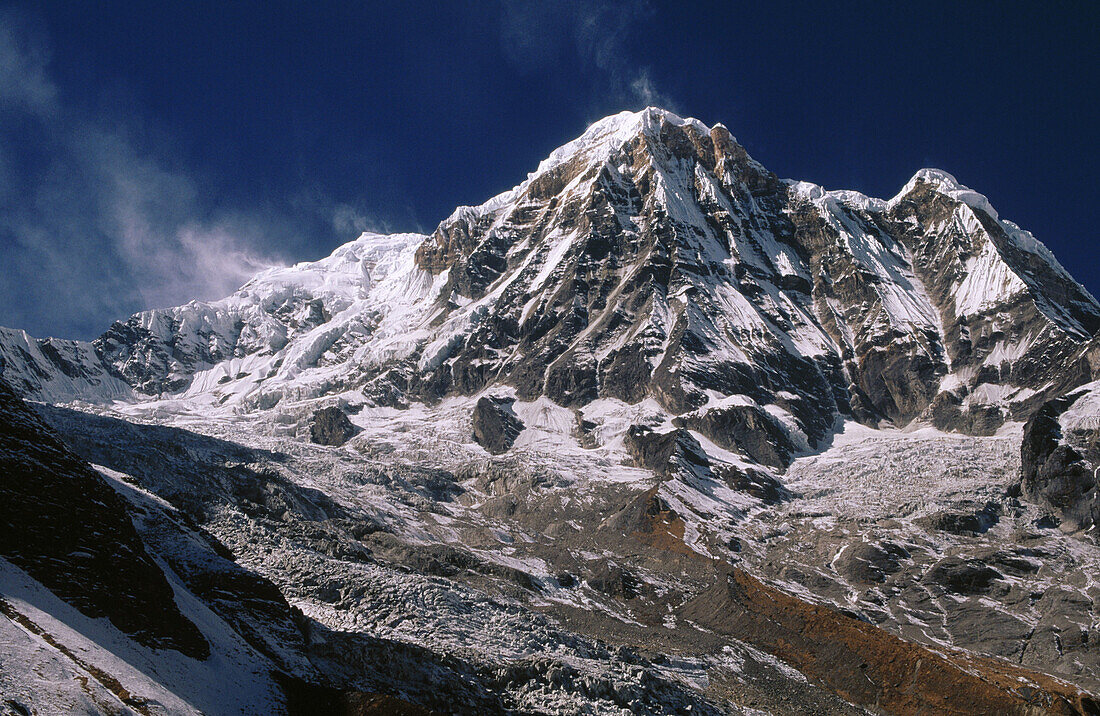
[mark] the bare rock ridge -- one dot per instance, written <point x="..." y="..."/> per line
<point x="745" y="429"/>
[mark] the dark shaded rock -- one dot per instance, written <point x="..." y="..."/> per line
<point x="566" y="580"/>
<point x="65" y="526"/>
<point x="962" y="576"/>
<point x="444" y="560"/>
<point x="308" y="699"/>
<point x="614" y="581"/>
<point x="960" y="522"/>
<point x="441" y="683"/>
<point x="1054" y="473"/>
<point x="16" y="708"/>
<point x="571" y="381"/>
<point x="584" y="432"/>
<point x="899" y="382"/>
<point x="746" y="429"/>
<point x="625" y="374"/>
<point x="495" y="424"/>
<point x="664" y="453"/>
<point x="948" y="413"/>
<point x="756" y="483"/>
<point x="1047" y="522"/>
<point x="869" y="562"/>
<point x="984" y="419"/>
<point x="265" y="493"/>
<point x="1019" y="562"/>
<point x="331" y="426"/>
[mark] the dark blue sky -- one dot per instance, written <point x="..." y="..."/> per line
<point x="152" y="153"/>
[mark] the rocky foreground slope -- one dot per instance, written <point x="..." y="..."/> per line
<point x="653" y="430"/>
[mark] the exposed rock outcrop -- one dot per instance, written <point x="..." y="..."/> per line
<point x="62" y="524"/>
<point x="496" y="426"/>
<point x="961" y="521"/>
<point x="1059" y="463"/>
<point x="753" y="482"/>
<point x="331" y="426"/>
<point x="963" y="576"/>
<point x="746" y="429"/>
<point x="870" y="562"/>
<point x="666" y="452"/>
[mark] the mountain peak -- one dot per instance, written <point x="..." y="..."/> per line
<point x="642" y="119"/>
<point x="649" y="257"/>
<point x="944" y="183"/>
<point x="603" y="144"/>
<point x="939" y="177"/>
<point x="651" y="345"/>
<point x="612" y="132"/>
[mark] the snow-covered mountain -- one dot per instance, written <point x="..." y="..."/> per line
<point x="650" y="257"/>
<point x="650" y="387"/>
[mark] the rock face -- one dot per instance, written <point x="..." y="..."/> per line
<point x="331" y="426"/>
<point x="745" y="429"/>
<point x="63" y="525"/>
<point x="963" y="576"/>
<point x="495" y="424"/>
<point x="1060" y="454"/>
<point x="57" y="370"/>
<point x="974" y="521"/>
<point x="871" y="563"/>
<point x="664" y="453"/>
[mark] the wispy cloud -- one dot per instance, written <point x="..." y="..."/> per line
<point x="644" y="89"/>
<point x="24" y="57"/>
<point x="348" y="220"/>
<point x="536" y="35"/>
<point x="92" y="225"/>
